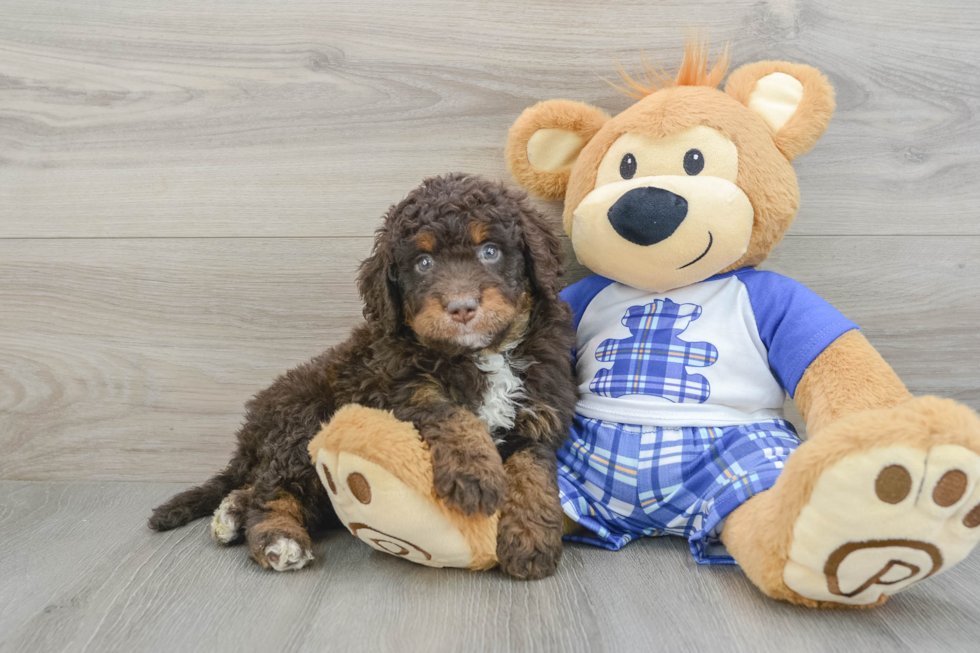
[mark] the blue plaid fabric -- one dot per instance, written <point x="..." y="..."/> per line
<point x="621" y="481"/>
<point x="654" y="361"/>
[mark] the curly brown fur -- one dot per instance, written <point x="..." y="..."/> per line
<point x="530" y="528"/>
<point x="418" y="354"/>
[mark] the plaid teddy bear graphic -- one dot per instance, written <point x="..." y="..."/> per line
<point x="654" y="359"/>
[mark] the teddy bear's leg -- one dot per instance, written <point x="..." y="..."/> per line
<point x="879" y="501"/>
<point x="378" y="475"/>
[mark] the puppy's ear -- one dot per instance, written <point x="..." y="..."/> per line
<point x="795" y="100"/>
<point x="543" y="256"/>
<point x="377" y="283"/>
<point x="545" y="141"/>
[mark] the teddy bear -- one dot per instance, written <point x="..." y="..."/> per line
<point x="685" y="350"/>
<point x="685" y="353"/>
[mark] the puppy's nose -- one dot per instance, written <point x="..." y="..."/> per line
<point x="463" y="310"/>
<point x="645" y="216"/>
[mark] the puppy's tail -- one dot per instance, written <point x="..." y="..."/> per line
<point x="196" y="502"/>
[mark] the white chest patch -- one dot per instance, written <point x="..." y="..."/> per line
<point x="504" y="391"/>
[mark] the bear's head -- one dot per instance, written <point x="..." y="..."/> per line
<point x="688" y="182"/>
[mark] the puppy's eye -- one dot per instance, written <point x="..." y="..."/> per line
<point x="693" y="162"/>
<point x="424" y="264"/>
<point x="627" y="167"/>
<point x="489" y="253"/>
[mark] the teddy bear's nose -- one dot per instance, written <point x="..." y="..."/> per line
<point x="645" y="216"/>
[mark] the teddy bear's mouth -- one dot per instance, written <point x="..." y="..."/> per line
<point x="711" y="241"/>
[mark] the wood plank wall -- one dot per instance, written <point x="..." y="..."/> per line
<point x="186" y="188"/>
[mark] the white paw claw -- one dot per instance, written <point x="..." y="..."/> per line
<point x="287" y="554"/>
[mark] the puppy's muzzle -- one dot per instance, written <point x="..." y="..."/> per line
<point x="645" y="216"/>
<point x="463" y="310"/>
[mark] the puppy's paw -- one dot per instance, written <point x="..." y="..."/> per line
<point x="286" y="554"/>
<point x="224" y="527"/>
<point x="471" y="487"/>
<point x="527" y="550"/>
<point x="229" y="518"/>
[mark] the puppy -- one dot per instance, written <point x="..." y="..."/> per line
<point x="466" y="338"/>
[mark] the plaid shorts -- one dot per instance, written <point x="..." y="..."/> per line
<point x="621" y="481"/>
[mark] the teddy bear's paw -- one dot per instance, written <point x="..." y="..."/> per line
<point x="390" y="516"/>
<point x="881" y="520"/>
<point x="378" y="474"/>
<point x="286" y="554"/>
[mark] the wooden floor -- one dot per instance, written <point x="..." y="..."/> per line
<point x="79" y="572"/>
<point x="187" y="187"/>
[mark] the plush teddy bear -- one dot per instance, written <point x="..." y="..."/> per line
<point x="685" y="350"/>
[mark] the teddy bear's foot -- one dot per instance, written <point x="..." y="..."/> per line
<point x="882" y="500"/>
<point x="880" y="521"/>
<point x="378" y="475"/>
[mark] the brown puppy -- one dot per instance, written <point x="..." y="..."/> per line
<point x="466" y="338"/>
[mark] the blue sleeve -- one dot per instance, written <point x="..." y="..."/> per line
<point x="795" y="323"/>
<point x="581" y="293"/>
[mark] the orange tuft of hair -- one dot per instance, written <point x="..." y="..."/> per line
<point x="692" y="72"/>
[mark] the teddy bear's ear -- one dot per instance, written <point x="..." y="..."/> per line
<point x="545" y="141"/>
<point x="795" y="100"/>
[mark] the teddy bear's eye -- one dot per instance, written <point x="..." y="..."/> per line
<point x="627" y="167"/>
<point x="693" y="162"/>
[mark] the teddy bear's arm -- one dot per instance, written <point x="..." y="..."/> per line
<point x="849" y="376"/>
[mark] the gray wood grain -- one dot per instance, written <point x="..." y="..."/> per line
<point x="132" y="118"/>
<point x="95" y="579"/>
<point x="131" y="359"/>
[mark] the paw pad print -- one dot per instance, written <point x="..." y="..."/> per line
<point x="879" y="521"/>
<point x="654" y="360"/>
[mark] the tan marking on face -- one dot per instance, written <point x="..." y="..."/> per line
<point x="425" y="241"/>
<point x="494" y="314"/>
<point x="479" y="232"/>
<point x="518" y="326"/>
<point x="432" y="321"/>
<point x="493" y="300"/>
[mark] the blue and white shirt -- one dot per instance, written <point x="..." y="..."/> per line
<point x="720" y="352"/>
